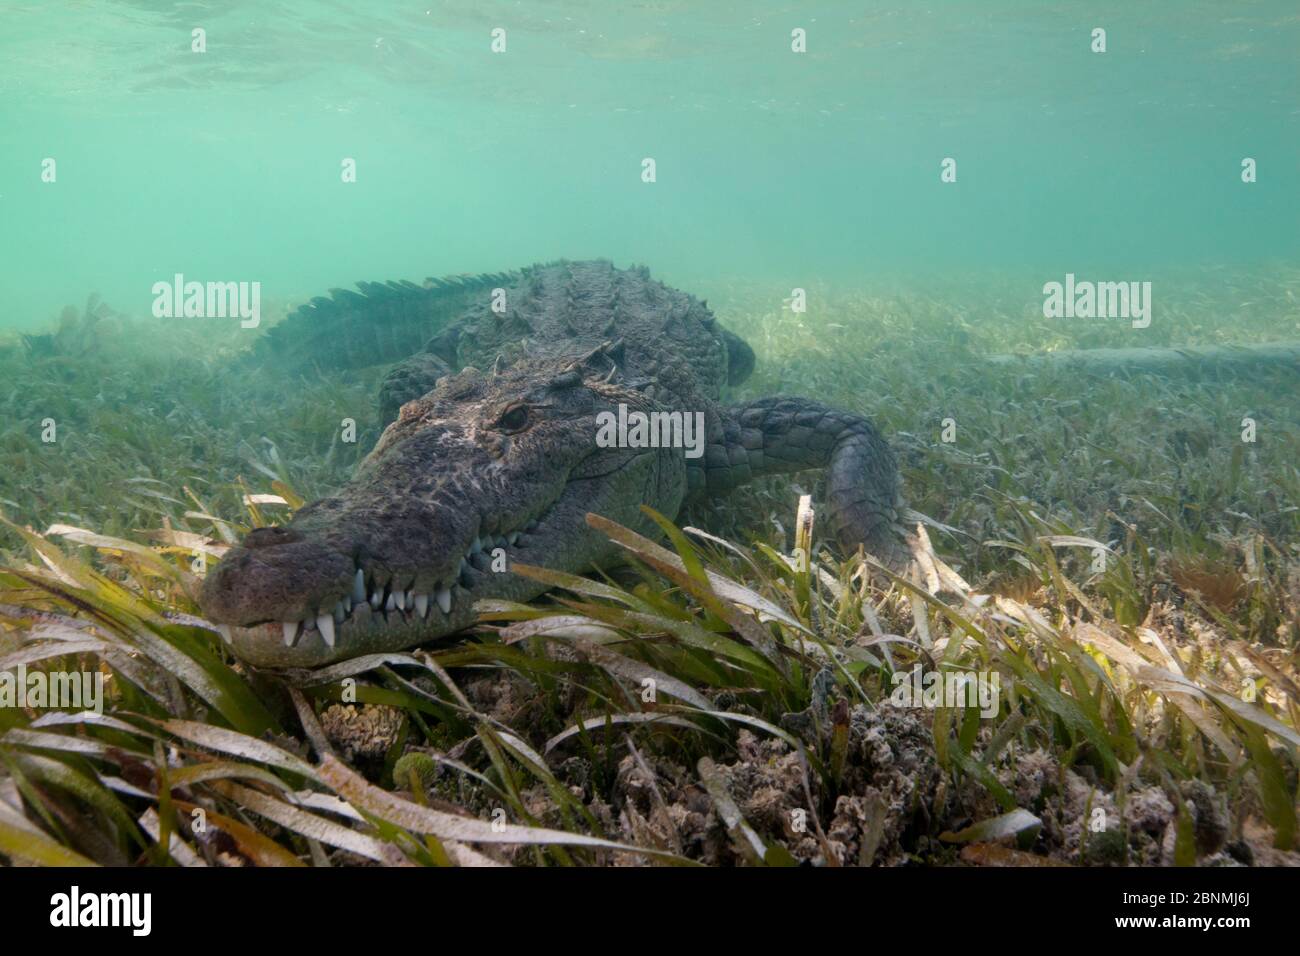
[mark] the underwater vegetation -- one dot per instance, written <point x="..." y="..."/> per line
<point x="1107" y="544"/>
<point x="79" y="333"/>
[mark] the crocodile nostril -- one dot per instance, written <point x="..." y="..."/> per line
<point x="270" y="537"/>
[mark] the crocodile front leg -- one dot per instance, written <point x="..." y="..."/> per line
<point x="782" y="435"/>
<point x="408" y="380"/>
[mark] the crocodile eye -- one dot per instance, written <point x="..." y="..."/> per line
<point x="514" y="419"/>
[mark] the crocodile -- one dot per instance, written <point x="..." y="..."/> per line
<point x="498" y="387"/>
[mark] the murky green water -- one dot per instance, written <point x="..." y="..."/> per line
<point x="783" y="166"/>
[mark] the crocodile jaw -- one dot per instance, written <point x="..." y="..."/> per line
<point x="385" y="622"/>
<point x="432" y="522"/>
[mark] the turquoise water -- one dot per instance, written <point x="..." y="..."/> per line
<point x="825" y="165"/>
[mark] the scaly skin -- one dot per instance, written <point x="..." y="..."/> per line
<point x="494" y="446"/>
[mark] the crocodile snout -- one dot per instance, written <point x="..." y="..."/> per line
<point x="277" y="574"/>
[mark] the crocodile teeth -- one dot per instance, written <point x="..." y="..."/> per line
<point x="326" y="624"/>
<point x="357" y="605"/>
<point x="224" y="630"/>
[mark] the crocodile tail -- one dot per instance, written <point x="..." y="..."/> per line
<point x="383" y="323"/>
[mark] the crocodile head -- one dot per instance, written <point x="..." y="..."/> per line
<point x="484" y="470"/>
